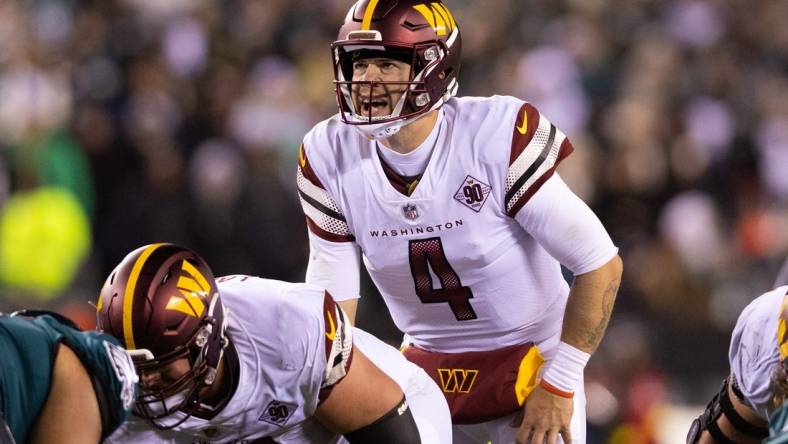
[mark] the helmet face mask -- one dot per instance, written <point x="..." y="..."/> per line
<point x="157" y="401"/>
<point x="162" y="302"/>
<point x="407" y="30"/>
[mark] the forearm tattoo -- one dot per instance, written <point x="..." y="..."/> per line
<point x="594" y="336"/>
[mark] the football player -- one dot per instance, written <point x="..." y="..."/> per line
<point x="60" y="384"/>
<point x="778" y="422"/>
<point x="242" y="359"/>
<point x="463" y="224"/>
<point x="758" y="382"/>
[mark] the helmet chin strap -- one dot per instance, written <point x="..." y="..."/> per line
<point x="380" y="131"/>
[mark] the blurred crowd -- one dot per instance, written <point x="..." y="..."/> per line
<point x="125" y="122"/>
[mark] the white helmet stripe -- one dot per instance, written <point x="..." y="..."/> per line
<point x="452" y="37"/>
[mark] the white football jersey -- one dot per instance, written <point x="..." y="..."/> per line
<point x="755" y="348"/>
<point x="285" y="336"/>
<point x="455" y="267"/>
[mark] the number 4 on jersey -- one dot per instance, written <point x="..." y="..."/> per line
<point x="428" y="253"/>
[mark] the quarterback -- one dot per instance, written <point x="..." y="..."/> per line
<point x="454" y="206"/>
<point x="60" y="384"/>
<point x="242" y="359"/>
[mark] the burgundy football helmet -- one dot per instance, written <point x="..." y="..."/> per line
<point x="421" y="33"/>
<point x="162" y="303"/>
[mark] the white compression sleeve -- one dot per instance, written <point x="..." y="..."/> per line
<point x="335" y="267"/>
<point x="566" y="227"/>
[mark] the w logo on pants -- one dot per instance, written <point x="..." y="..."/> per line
<point x="457" y="380"/>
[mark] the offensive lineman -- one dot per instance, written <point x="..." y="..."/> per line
<point x="245" y="359"/>
<point x="462" y="224"/>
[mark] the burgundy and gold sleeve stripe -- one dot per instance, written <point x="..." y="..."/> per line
<point x="537" y="148"/>
<point x="339" y="345"/>
<point x="323" y="216"/>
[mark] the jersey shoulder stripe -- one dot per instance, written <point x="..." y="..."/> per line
<point x="323" y="216"/>
<point x="537" y="149"/>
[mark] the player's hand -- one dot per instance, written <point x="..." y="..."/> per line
<point x="546" y="417"/>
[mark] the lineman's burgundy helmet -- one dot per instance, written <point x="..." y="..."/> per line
<point x="162" y="303"/>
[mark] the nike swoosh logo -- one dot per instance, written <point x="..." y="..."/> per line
<point x="333" y="334"/>
<point x="524" y="127"/>
<point x="301" y="156"/>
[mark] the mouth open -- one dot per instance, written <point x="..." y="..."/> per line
<point x="375" y="106"/>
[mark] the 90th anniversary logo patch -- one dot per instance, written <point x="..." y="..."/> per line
<point x="473" y="193"/>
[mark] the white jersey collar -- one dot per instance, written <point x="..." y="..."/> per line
<point x="414" y="162"/>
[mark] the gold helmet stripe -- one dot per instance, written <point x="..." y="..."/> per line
<point x="365" y="24"/>
<point x="128" y="297"/>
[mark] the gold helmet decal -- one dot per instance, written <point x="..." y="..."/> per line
<point x="438" y="16"/>
<point x="193" y="286"/>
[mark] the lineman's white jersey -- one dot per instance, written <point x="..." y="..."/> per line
<point x="462" y="263"/>
<point x="755" y="348"/>
<point x="285" y="335"/>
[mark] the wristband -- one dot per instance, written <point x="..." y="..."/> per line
<point x="565" y="370"/>
<point x="556" y="391"/>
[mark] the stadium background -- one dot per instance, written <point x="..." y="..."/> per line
<point x="126" y="122"/>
